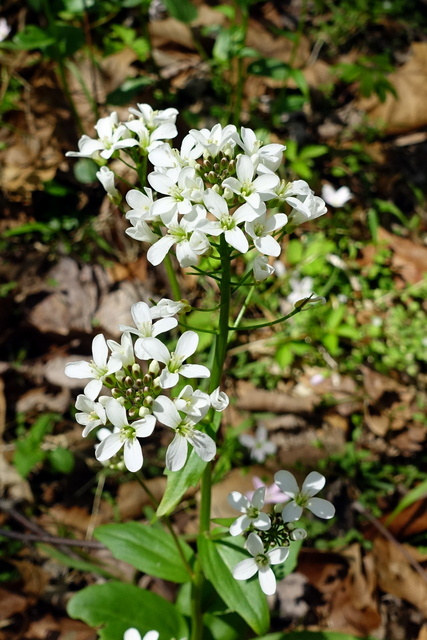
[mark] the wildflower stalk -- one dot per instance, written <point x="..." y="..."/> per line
<point x="220" y="355"/>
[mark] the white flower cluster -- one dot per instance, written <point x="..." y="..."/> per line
<point x="270" y="545"/>
<point x="133" y="634"/>
<point x="137" y="374"/>
<point x="220" y="182"/>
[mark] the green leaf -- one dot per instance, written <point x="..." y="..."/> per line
<point x="61" y="460"/>
<point x="28" y="452"/>
<point x="184" y="10"/>
<point x="74" y="563"/>
<point x="179" y="482"/>
<point x="117" y="607"/>
<point x="418" y="492"/>
<point x="32" y="37"/>
<point x="313" y="151"/>
<point x="270" y="68"/>
<point x="85" y="170"/>
<point x="244" y="597"/>
<point x="147" y="548"/>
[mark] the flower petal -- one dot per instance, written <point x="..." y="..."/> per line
<point x="99" y="350"/>
<point x="203" y="445"/>
<point x="254" y="544"/>
<point x="176" y="453"/>
<point x="258" y="498"/>
<point x="245" y="569"/>
<point x="238" y="501"/>
<point x="278" y="555"/>
<point x="187" y="344"/>
<point x="321" y="508"/>
<point x="133" y="455"/>
<point x="194" y="371"/>
<point x="313" y="483"/>
<point x="166" y="412"/>
<point x="240" y="525"/>
<point x="108" y="447"/>
<point x="156" y="350"/>
<point x="116" y="413"/>
<point x="262" y="522"/>
<point x="291" y="512"/>
<point x="285" y="480"/>
<point x="81" y="370"/>
<point x="267" y="580"/>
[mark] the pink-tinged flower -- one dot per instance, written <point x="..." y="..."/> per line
<point x="303" y="498"/>
<point x="251" y="509"/>
<point x="98" y="369"/>
<point x="126" y="435"/>
<point x="261" y="563"/>
<point x="273" y="495"/>
<point x="174" y="362"/>
<point x="185" y="433"/>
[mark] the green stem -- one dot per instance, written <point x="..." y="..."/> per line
<point x="141" y="481"/>
<point x="173" y="280"/>
<point x="206" y="482"/>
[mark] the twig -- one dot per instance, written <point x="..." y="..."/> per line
<point x="386" y="533"/>
<point x="48" y="539"/>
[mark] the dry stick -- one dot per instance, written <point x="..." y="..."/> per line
<point x="48" y="539"/>
<point x="39" y="534"/>
<point x="386" y="533"/>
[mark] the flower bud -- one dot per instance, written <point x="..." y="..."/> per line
<point x="136" y="369"/>
<point x="143" y="411"/>
<point x="154" y="367"/>
<point x="116" y="393"/>
<point x="148" y="401"/>
<point x="147" y="379"/>
<point x="128" y="381"/>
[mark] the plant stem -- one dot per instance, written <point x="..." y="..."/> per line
<point x="206" y="482"/>
<point x="173" y="280"/>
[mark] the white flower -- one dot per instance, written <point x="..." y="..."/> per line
<point x="126" y="437"/>
<point x="261" y="228"/>
<point x="301" y="289"/>
<point x="152" y="118"/>
<point x="305" y="207"/>
<point x="98" y="369"/>
<point x="4" y="29"/>
<point x="260" y="563"/>
<point x="166" y="307"/>
<point x="254" y="191"/>
<point x="141" y="204"/>
<point x="145" y="328"/>
<point x="174" y="367"/>
<point x="150" y="139"/>
<point x="92" y="413"/>
<point x="303" y="497"/>
<point x="216" y="140"/>
<point x="251" y="510"/>
<point x="112" y="136"/>
<point x="133" y="634"/>
<point x="261" y="268"/>
<point x="194" y="403"/>
<point x="106" y="178"/>
<point x="226" y="222"/>
<point x="123" y="351"/>
<point x="190" y="242"/>
<point x="176" y="454"/>
<point x="164" y="157"/>
<point x="174" y="185"/>
<point x="269" y="155"/>
<point x="258" y="445"/>
<point x="219" y="400"/>
<point x="336" y="197"/>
